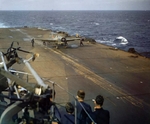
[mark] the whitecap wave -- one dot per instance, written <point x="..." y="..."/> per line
<point x="118" y="42"/>
<point x="102" y="41"/>
<point x="114" y="44"/>
<point x="96" y="23"/>
<point x="121" y="40"/>
<point x="2" y="25"/>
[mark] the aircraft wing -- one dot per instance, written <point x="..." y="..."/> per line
<point x="56" y="37"/>
<point x="46" y="39"/>
<point x="72" y="38"/>
<point x="55" y="40"/>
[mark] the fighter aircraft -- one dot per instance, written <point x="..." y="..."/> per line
<point x="59" y="39"/>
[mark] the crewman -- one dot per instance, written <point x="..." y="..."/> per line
<point x="32" y="41"/>
<point x="81" y="41"/>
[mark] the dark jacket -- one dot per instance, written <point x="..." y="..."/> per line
<point x="81" y="114"/>
<point x="101" y="116"/>
<point x="68" y="119"/>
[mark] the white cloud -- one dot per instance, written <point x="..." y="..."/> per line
<point x="73" y="4"/>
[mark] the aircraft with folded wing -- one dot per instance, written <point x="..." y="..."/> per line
<point x="59" y="39"/>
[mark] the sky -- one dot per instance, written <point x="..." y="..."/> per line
<point x="74" y="4"/>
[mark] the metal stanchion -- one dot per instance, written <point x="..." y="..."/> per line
<point x="75" y="111"/>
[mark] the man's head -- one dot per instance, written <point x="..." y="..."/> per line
<point x="99" y="100"/>
<point x="50" y="94"/>
<point x="81" y="94"/>
<point x="69" y="108"/>
<point x="82" y="39"/>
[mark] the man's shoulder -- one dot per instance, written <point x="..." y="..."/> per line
<point x="105" y="110"/>
<point x="101" y="116"/>
<point x="68" y="118"/>
<point x="101" y="111"/>
<point x="86" y="104"/>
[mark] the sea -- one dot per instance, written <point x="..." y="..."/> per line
<point x="120" y="29"/>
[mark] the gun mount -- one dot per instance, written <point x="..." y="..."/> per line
<point x="20" y="94"/>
